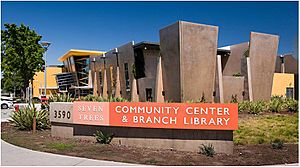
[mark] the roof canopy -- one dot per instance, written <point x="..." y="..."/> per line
<point x="75" y="52"/>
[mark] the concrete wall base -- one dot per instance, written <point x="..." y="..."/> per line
<point x="174" y="144"/>
<point x="61" y="131"/>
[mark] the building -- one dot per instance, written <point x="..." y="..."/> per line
<point x="285" y="81"/>
<point x="185" y="65"/>
<point x="38" y="84"/>
<point x="77" y="76"/>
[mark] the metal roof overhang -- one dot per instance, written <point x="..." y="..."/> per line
<point x="75" y="52"/>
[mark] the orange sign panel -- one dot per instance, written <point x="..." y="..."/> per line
<point x="161" y="115"/>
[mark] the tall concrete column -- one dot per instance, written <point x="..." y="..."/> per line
<point x="159" y="83"/>
<point x="134" y="95"/>
<point x="95" y="86"/>
<point x="104" y="82"/>
<point x="249" y="79"/>
<point x="282" y="64"/>
<point x="282" y="68"/>
<point x="118" y="86"/>
<point x="220" y="78"/>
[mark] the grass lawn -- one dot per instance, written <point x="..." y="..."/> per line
<point x="260" y="129"/>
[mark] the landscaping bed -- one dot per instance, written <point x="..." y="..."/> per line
<point x="252" y="145"/>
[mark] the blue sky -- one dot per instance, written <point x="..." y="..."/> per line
<point x="105" y="25"/>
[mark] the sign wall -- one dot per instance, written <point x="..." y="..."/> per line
<point x="157" y="115"/>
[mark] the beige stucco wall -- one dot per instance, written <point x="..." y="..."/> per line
<point x="169" y="49"/>
<point x="233" y="86"/>
<point x="151" y="59"/>
<point x="188" y="59"/>
<point x="198" y="60"/>
<point x="263" y="52"/>
<point x="126" y="55"/>
<point x="233" y="64"/>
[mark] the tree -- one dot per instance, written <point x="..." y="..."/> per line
<point x="21" y="56"/>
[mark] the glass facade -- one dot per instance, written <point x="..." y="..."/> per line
<point x="126" y="77"/>
<point x="82" y="65"/>
<point x="100" y="80"/>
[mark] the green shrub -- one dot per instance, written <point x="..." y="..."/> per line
<point x="237" y="74"/>
<point x="203" y="99"/>
<point x="23" y="119"/>
<point x="101" y="99"/>
<point x="113" y="99"/>
<point x="233" y="99"/>
<point x="207" y="150"/>
<point x="244" y="106"/>
<point x="103" y="138"/>
<point x="256" y="107"/>
<point x="89" y="98"/>
<point x="62" y="97"/>
<point x="292" y="105"/>
<point x="276" y="105"/>
<point x="35" y="100"/>
<point x="277" y="144"/>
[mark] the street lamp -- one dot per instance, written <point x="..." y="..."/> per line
<point x="45" y="45"/>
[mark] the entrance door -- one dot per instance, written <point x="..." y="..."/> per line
<point x="148" y="94"/>
<point x="290" y="92"/>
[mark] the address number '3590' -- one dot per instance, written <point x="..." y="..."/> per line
<point x="62" y="114"/>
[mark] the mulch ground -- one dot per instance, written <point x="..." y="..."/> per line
<point x="262" y="154"/>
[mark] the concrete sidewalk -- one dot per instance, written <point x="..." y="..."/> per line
<point x="15" y="156"/>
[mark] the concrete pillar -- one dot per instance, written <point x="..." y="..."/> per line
<point x="90" y="81"/>
<point x="134" y="95"/>
<point x="159" y="83"/>
<point x="95" y="86"/>
<point x="220" y="78"/>
<point x="249" y="79"/>
<point x="118" y="85"/>
<point x="282" y="68"/>
<point x="104" y="82"/>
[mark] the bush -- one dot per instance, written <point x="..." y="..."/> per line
<point x="89" y="98"/>
<point x="277" y="144"/>
<point x="103" y="138"/>
<point x="101" y="99"/>
<point x="23" y="119"/>
<point x="36" y="100"/>
<point x="113" y="99"/>
<point x="233" y="99"/>
<point x="207" y="150"/>
<point x="244" y="106"/>
<point x="292" y="105"/>
<point x="63" y="97"/>
<point x="237" y="74"/>
<point x="256" y="107"/>
<point x="201" y="100"/>
<point x="276" y="105"/>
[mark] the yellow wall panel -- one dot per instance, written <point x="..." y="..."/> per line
<point x="281" y="81"/>
<point x="39" y="83"/>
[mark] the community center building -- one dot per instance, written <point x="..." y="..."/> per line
<point x="185" y="65"/>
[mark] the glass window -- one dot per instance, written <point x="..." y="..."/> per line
<point x="290" y="92"/>
<point x="126" y="76"/>
<point x="100" y="79"/>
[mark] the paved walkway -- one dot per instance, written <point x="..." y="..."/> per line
<point x="14" y="156"/>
